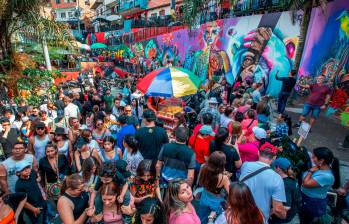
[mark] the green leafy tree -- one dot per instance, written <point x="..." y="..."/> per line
<point x="37" y="84"/>
<point x="25" y="19"/>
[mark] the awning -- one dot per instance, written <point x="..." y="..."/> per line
<point x="113" y="17"/>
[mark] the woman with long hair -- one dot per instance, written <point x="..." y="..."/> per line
<point x="213" y="180"/>
<point x="84" y="152"/>
<point x="178" y="203"/>
<point x="53" y="168"/>
<point x="100" y="132"/>
<point x="223" y="144"/>
<point x="109" y="153"/>
<point x="316" y="183"/>
<point x="144" y="184"/>
<point x="73" y="205"/>
<point x="150" y="211"/>
<point x="241" y="207"/>
<point x="131" y="154"/>
<point x="90" y="168"/>
<point x="62" y="143"/>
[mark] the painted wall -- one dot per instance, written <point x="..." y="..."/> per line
<point x="253" y="47"/>
<point x="326" y="49"/>
<point x="326" y="53"/>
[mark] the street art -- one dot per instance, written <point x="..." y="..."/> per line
<point x="326" y="53"/>
<point x="254" y="47"/>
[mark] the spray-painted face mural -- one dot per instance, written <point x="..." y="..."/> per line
<point x="253" y="47"/>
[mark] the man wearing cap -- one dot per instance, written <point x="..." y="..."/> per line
<point x="293" y="198"/>
<point x="212" y="109"/>
<point x="8" y="177"/>
<point x="266" y="185"/>
<point x="176" y="160"/>
<point x="126" y="129"/>
<point x="8" y="137"/>
<point x="150" y="137"/>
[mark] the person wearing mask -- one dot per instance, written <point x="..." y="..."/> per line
<point x="73" y="206"/>
<point x="151" y="138"/>
<point x="212" y="109"/>
<point x="38" y="141"/>
<point x="293" y="198"/>
<point x="178" y="203"/>
<point x="213" y="179"/>
<point x="241" y="207"/>
<point x="126" y="129"/>
<point x="269" y="193"/>
<point x="8" y="177"/>
<point x="318" y="99"/>
<point x="288" y="84"/>
<point x="8" y="137"/>
<point x="171" y="166"/>
<point x="317" y="181"/>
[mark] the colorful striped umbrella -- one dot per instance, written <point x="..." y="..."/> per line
<point x="169" y="82"/>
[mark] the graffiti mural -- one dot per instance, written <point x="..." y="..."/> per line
<point x="253" y="47"/>
<point x="326" y="51"/>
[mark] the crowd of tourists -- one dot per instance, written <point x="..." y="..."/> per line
<point x="100" y="158"/>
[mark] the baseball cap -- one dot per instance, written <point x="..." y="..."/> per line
<point x="149" y="115"/>
<point x="207" y="130"/>
<point x="282" y="162"/>
<point x="20" y="166"/>
<point x="267" y="147"/>
<point x="259" y="133"/>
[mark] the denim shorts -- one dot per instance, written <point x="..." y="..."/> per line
<point x="315" y="110"/>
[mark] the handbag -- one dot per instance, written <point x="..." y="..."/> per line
<point x="53" y="190"/>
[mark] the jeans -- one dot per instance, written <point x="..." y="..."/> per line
<point x="315" y="110"/>
<point x="208" y="203"/>
<point x="282" y="101"/>
<point x="312" y="208"/>
<point x="41" y="218"/>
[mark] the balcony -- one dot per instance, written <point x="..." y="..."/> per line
<point x="95" y="3"/>
<point x="129" y="7"/>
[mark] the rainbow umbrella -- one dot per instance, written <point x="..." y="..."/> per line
<point x="169" y="82"/>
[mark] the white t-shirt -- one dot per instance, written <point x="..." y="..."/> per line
<point x="71" y="110"/>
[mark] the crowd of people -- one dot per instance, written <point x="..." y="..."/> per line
<point x="99" y="158"/>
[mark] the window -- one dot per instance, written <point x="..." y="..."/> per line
<point x="62" y="14"/>
<point x="70" y="14"/>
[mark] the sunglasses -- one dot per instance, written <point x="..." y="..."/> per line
<point x="98" y="124"/>
<point x="40" y="128"/>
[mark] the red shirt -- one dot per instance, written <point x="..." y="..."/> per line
<point x="318" y="94"/>
<point x="200" y="145"/>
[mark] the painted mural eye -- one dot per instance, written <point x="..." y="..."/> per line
<point x="291" y="49"/>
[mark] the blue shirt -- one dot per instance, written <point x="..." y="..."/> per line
<point x="325" y="179"/>
<point x="265" y="186"/>
<point x="125" y="130"/>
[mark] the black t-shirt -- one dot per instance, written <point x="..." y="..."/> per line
<point x="47" y="172"/>
<point x="14" y="199"/>
<point x="287" y="84"/>
<point x="150" y="141"/>
<point x="8" y="142"/>
<point x="231" y="157"/>
<point x="293" y="200"/>
<point x="31" y="187"/>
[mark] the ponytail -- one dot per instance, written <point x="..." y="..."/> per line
<point x="64" y="186"/>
